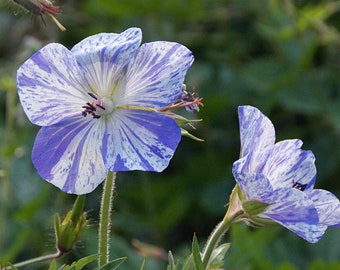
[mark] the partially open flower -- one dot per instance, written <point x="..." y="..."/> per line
<point x="277" y="181"/>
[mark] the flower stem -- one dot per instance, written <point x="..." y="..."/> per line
<point x="56" y="255"/>
<point x="105" y="219"/>
<point x="216" y="236"/>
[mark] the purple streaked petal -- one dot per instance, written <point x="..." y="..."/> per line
<point x="255" y="186"/>
<point x="104" y="57"/>
<point x="290" y="205"/>
<point x="51" y="85"/>
<point x="155" y="78"/>
<point x="140" y="140"/>
<point x="257" y="136"/>
<point x="310" y="232"/>
<point x="327" y="205"/>
<point x="68" y="154"/>
<point x="287" y="164"/>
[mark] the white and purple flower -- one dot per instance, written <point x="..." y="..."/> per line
<point x="100" y="107"/>
<point x="282" y="175"/>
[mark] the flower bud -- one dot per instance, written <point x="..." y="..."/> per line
<point x="69" y="230"/>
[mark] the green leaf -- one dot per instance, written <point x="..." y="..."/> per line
<point x="53" y="265"/>
<point x="143" y="265"/>
<point x="172" y="265"/>
<point x="84" y="261"/>
<point x="197" y="254"/>
<point x="112" y="265"/>
<point x="217" y="257"/>
<point x="189" y="263"/>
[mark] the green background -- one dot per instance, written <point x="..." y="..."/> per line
<point x="280" y="56"/>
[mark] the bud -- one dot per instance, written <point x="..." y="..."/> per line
<point x="69" y="230"/>
<point x="41" y="7"/>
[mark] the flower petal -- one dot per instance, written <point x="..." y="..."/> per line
<point x="140" y="140"/>
<point x="257" y="136"/>
<point x="291" y="205"/>
<point x="51" y="85"/>
<point x="287" y="164"/>
<point x="328" y="207"/>
<point x="310" y="232"/>
<point x="255" y="186"/>
<point x="103" y="57"/>
<point x="155" y="78"/>
<point x="68" y="154"/>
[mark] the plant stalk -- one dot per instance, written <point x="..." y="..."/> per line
<point x="105" y="219"/>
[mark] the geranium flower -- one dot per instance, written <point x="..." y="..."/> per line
<point x="100" y="106"/>
<point x="281" y="177"/>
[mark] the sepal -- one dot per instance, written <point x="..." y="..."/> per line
<point x="69" y="230"/>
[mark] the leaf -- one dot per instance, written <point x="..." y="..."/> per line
<point x="112" y="265"/>
<point x="84" y="261"/>
<point x="217" y="257"/>
<point x="143" y="265"/>
<point x="189" y="263"/>
<point x="53" y="265"/>
<point x="171" y="265"/>
<point x="196" y="254"/>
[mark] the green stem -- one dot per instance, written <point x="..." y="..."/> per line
<point x="216" y="236"/>
<point x="105" y="219"/>
<point x="36" y="260"/>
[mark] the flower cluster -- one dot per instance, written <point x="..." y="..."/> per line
<point x="101" y="107"/>
<point x="279" y="179"/>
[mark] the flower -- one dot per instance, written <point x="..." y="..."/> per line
<point x="279" y="179"/>
<point x="100" y="107"/>
<point x="41" y="7"/>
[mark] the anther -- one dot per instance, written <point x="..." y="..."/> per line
<point x="299" y="186"/>
<point x="92" y="95"/>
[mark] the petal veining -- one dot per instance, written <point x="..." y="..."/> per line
<point x="155" y="78"/>
<point x="254" y="185"/>
<point x="257" y="136"/>
<point x="51" y="85"/>
<point x="291" y="205"/>
<point x="287" y="164"/>
<point x="104" y="57"/>
<point x="140" y="140"/>
<point x="310" y="232"/>
<point x="328" y="207"/>
<point x="68" y="155"/>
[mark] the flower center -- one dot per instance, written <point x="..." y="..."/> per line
<point x="98" y="108"/>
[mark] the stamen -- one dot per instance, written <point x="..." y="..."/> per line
<point x="299" y="186"/>
<point x="92" y="95"/>
<point x="91" y="108"/>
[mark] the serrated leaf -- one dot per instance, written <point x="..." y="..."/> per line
<point x="112" y="265"/>
<point x="196" y="254"/>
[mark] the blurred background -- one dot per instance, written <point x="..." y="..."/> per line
<point x="280" y="56"/>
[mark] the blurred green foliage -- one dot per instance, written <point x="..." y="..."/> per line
<point x="280" y="56"/>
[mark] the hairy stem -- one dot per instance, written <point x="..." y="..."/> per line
<point x="105" y="219"/>
<point x="36" y="260"/>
